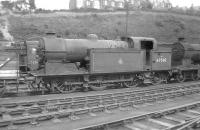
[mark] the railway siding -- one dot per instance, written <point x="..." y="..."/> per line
<point x="73" y="108"/>
<point x="174" y="112"/>
<point x="176" y="118"/>
<point x="106" y="99"/>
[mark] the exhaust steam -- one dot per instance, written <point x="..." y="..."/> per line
<point x="4" y="25"/>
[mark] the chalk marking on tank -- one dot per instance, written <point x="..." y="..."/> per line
<point x="120" y="61"/>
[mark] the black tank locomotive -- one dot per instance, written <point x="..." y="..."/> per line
<point x="65" y="65"/>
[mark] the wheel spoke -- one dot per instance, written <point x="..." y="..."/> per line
<point x="62" y="88"/>
<point x="180" y="77"/>
<point x="195" y="76"/>
<point x="67" y="88"/>
<point x="131" y="84"/>
<point x="156" y="79"/>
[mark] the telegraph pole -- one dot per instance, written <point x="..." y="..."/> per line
<point x="127" y="14"/>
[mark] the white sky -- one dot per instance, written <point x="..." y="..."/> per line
<point x="54" y="4"/>
<point x="183" y="3"/>
<point x="63" y="4"/>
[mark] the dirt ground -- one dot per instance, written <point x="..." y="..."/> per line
<point x="165" y="27"/>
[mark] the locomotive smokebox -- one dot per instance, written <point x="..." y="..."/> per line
<point x="182" y="51"/>
<point x="74" y="50"/>
<point x="196" y="53"/>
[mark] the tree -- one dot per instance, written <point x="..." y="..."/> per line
<point x="191" y="10"/>
<point x="7" y="4"/>
<point x="32" y="4"/>
<point x="146" y="4"/>
<point x="22" y="5"/>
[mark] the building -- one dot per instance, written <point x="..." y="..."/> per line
<point x="97" y="4"/>
<point x="77" y="4"/>
<point x="161" y="4"/>
<point x="103" y="4"/>
<point x="92" y="4"/>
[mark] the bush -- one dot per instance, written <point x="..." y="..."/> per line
<point x="7" y="4"/>
<point x="67" y="32"/>
<point x="1" y="35"/>
<point x="159" y="24"/>
<point x="42" y="11"/>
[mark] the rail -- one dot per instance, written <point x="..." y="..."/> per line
<point x="33" y="112"/>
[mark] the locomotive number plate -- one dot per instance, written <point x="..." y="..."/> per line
<point x="161" y="59"/>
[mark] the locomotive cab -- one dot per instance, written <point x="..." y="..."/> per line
<point x="147" y="46"/>
<point x="144" y="44"/>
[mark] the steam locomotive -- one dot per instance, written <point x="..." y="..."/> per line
<point x="66" y="65"/>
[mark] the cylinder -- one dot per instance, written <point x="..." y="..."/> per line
<point x="75" y="50"/>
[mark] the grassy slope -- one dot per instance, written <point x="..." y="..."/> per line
<point x="164" y="27"/>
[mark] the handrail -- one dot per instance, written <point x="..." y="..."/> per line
<point x="5" y="62"/>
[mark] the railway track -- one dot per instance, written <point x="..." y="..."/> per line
<point x="23" y="90"/>
<point x="34" y="112"/>
<point x="184" y="117"/>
